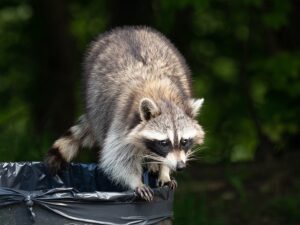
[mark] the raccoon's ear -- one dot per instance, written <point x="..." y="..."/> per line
<point x="194" y="106"/>
<point x="148" y="109"/>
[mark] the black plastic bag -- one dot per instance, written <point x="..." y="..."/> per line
<point x="81" y="194"/>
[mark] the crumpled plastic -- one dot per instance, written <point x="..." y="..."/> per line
<point x="81" y="193"/>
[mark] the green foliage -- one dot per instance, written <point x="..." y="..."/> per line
<point x="243" y="196"/>
<point x="192" y="210"/>
<point x="87" y="22"/>
<point x="285" y="209"/>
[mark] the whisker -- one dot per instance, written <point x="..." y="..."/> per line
<point x="197" y="150"/>
<point x="189" y="155"/>
<point x="154" y="160"/>
<point x="154" y="157"/>
<point x="194" y="157"/>
<point x="201" y="147"/>
<point x="194" y="151"/>
<point x="188" y="160"/>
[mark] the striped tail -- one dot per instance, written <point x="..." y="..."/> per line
<point x="68" y="145"/>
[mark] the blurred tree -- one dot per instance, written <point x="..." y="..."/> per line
<point x="135" y="12"/>
<point x="52" y="92"/>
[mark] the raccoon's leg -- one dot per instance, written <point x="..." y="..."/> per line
<point x="67" y="146"/>
<point x="153" y="167"/>
<point x="164" y="177"/>
<point x="122" y="162"/>
<point x="125" y="168"/>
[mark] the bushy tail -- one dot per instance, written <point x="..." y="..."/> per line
<point x="67" y="146"/>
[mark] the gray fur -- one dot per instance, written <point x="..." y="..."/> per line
<point x="119" y="58"/>
<point x="137" y="84"/>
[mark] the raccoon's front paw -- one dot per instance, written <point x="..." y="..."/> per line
<point x="163" y="179"/>
<point x="145" y="192"/>
<point x="171" y="183"/>
<point x="54" y="161"/>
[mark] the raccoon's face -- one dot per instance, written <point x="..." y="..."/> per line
<point x="168" y="132"/>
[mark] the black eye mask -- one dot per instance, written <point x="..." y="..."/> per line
<point x="161" y="148"/>
<point x="186" y="144"/>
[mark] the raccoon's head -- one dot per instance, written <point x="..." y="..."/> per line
<point x="168" y="132"/>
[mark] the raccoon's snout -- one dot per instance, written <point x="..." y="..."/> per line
<point x="180" y="165"/>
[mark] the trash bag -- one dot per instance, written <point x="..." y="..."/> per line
<point x="81" y="194"/>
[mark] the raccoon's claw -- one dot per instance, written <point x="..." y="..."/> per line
<point x="160" y="183"/>
<point x="172" y="184"/>
<point x="54" y="161"/>
<point x="145" y="192"/>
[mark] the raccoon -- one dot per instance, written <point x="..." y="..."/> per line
<point x="138" y="109"/>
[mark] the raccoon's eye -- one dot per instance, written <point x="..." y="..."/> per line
<point x="184" y="142"/>
<point x="164" y="143"/>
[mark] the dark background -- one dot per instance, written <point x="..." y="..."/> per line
<point x="245" y="60"/>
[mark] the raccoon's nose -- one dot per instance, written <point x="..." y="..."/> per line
<point x="180" y="165"/>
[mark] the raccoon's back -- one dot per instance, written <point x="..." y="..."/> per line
<point x="120" y="57"/>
